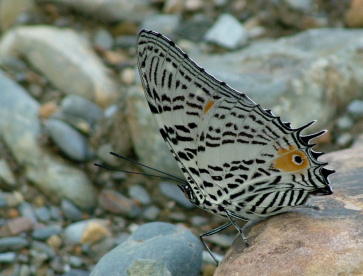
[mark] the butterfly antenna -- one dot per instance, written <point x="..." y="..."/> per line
<point x="170" y="176"/>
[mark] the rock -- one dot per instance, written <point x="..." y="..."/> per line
<point x="44" y="233"/>
<point x="302" y="241"/>
<point x="6" y="175"/>
<point x="155" y="247"/>
<point x="344" y="139"/>
<point x="7" y="258"/>
<point x="79" y="231"/>
<point x="290" y="76"/>
<point x="80" y="107"/>
<point x="26" y="210"/>
<point x="42" y="213"/>
<point x="70" y="141"/>
<point x="354" y="16"/>
<point x="344" y="123"/>
<point x="103" y="39"/>
<point x="94" y="232"/>
<point x="71" y="211"/>
<point x="227" y="32"/>
<point x="150" y="147"/>
<point x="11" y="10"/>
<point x="85" y="75"/>
<point x="140" y="194"/>
<point x="10" y="199"/>
<point x="166" y="24"/>
<point x="355" y="108"/>
<point x="117" y="203"/>
<point x="19" y="225"/>
<point x="151" y="213"/>
<point x="20" y="130"/>
<point x="111" y="10"/>
<point x="13" y="243"/>
<point x="172" y="191"/>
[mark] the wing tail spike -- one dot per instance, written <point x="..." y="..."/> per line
<point x="306" y="138"/>
<point x="326" y="172"/>
<point x="316" y="154"/>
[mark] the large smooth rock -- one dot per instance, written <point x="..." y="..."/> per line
<point x="303" y="77"/>
<point x="307" y="242"/>
<point x="20" y="128"/>
<point x="50" y="50"/>
<point x="155" y="248"/>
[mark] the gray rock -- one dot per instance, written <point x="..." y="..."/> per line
<point x="13" y="243"/>
<point x="344" y="123"/>
<point x="172" y="191"/>
<point x="149" y="147"/>
<point x="302" y="5"/>
<point x="81" y="107"/>
<point x="43" y="248"/>
<point x="75" y="232"/>
<point x="43" y="233"/>
<point x="290" y="75"/>
<point x="117" y="203"/>
<point x="26" y="210"/>
<point x="156" y="247"/>
<point x="42" y="213"/>
<point x="85" y="75"/>
<point x="7" y="257"/>
<point x="76" y="272"/>
<point x="11" y="10"/>
<point x="103" y="39"/>
<point x="139" y="193"/>
<point x="69" y="140"/>
<point x="111" y="10"/>
<point x="355" y="108"/>
<point x="20" y="130"/>
<point x="151" y="213"/>
<point x="13" y="199"/>
<point x="227" y="32"/>
<point x="55" y="212"/>
<point x="166" y="24"/>
<point x="71" y="211"/>
<point x="344" y="139"/>
<point x="6" y="175"/>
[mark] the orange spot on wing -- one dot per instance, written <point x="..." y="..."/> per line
<point x="208" y="106"/>
<point x="291" y="160"/>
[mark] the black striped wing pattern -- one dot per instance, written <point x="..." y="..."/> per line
<point x="237" y="157"/>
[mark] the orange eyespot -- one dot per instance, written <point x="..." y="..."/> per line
<point x="208" y="106"/>
<point x="291" y="160"/>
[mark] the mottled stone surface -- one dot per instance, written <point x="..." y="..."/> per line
<point x="309" y="242"/>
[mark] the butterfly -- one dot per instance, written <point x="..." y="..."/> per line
<point x="240" y="161"/>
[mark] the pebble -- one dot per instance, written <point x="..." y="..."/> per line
<point x="7" y="257"/>
<point x="128" y="76"/>
<point x="6" y="175"/>
<point x="157" y="248"/>
<point x="55" y="213"/>
<point x="71" y="211"/>
<point x="199" y="221"/>
<point x="75" y="232"/>
<point x="81" y="107"/>
<point x="344" y="123"/>
<point x="344" y="139"/>
<point x="43" y="248"/>
<point x="167" y="24"/>
<point x="19" y="225"/>
<point x="26" y="210"/>
<point x="227" y="32"/>
<point x="94" y="232"/>
<point x="70" y="141"/>
<point x="151" y="213"/>
<point x="103" y="39"/>
<point x="42" y="213"/>
<point x="13" y="243"/>
<point x="355" y="108"/>
<point x="44" y="233"/>
<point x="140" y="194"/>
<point x="173" y="192"/>
<point x="10" y="199"/>
<point x="117" y="203"/>
<point x="55" y="241"/>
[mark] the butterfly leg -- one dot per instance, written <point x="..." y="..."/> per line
<point x="239" y="229"/>
<point x="212" y="232"/>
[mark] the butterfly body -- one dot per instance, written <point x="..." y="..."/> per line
<point x="240" y="161"/>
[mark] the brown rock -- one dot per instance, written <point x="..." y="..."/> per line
<point x="354" y="16"/>
<point x="304" y="241"/>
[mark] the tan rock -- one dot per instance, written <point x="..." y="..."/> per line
<point x="95" y="231"/>
<point x="304" y="241"/>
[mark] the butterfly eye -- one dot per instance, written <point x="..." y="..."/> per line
<point x="297" y="159"/>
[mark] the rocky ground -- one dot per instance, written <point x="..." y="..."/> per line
<point x="70" y="94"/>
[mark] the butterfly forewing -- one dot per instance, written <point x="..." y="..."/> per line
<point x="236" y="156"/>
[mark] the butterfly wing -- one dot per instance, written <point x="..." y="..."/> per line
<point x="235" y="155"/>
